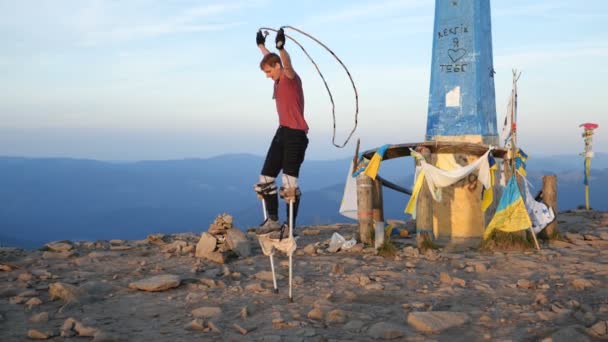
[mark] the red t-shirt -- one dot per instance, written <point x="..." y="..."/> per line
<point x="290" y="102"/>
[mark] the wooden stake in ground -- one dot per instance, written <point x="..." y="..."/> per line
<point x="364" y="208"/>
<point x="550" y="199"/>
<point x="424" y="209"/>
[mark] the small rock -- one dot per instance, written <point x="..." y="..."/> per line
<point x="460" y="282"/>
<point x="600" y="328"/>
<point x="310" y="249"/>
<point x="196" y="325"/>
<point x="436" y="321"/>
<point x="445" y="278"/>
<point x="541" y="299"/>
<point x="214" y="327"/>
<point x="83" y="330"/>
<point x="480" y="268"/>
<point x="5" y="268"/>
<point x="267" y="275"/>
<point x="386" y="331"/>
<point x="33" y="302"/>
<point x="58" y="255"/>
<point x="38" y="335"/>
<point x="205" y="245"/>
<point x="60" y="246"/>
<point x="311" y="232"/>
<point x="316" y="314"/>
<point x="25" y="277"/>
<point x="354" y="326"/>
<point x="244" y="330"/>
<point x="581" y="283"/>
<point x="157" y="283"/>
<point x="65" y="292"/>
<point x="206" y="312"/>
<point x="525" y="284"/>
<point x="335" y="316"/>
<point x="40" y="317"/>
<point x="237" y="241"/>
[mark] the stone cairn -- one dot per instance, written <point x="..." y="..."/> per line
<point x="222" y="241"/>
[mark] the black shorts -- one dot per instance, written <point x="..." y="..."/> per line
<point x="286" y="152"/>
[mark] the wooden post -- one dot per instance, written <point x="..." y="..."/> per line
<point x="377" y="213"/>
<point x="550" y="199"/>
<point x="377" y="201"/>
<point x="424" y="208"/>
<point x="364" y="208"/>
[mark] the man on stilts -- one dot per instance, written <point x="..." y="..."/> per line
<point x="290" y="141"/>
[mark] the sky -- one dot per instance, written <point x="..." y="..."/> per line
<point x="143" y="79"/>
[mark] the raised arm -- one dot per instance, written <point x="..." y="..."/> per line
<point x="260" y="40"/>
<point x="287" y="67"/>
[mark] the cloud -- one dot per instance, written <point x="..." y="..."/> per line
<point x="377" y="8"/>
<point x="99" y="28"/>
<point x="540" y="55"/>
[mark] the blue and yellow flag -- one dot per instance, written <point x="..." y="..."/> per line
<point x="511" y="214"/>
<point x="587" y="166"/>
<point x="520" y="162"/>
<point x="488" y="194"/>
<point x="411" y="204"/>
<point x="374" y="164"/>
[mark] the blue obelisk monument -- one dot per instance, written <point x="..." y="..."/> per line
<point x="461" y="97"/>
<point x="462" y="107"/>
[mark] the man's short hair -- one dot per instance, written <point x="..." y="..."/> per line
<point x="271" y="60"/>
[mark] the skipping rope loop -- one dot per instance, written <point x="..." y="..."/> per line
<point x="333" y="106"/>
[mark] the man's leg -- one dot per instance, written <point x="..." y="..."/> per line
<point x="266" y="187"/>
<point x="296" y="143"/>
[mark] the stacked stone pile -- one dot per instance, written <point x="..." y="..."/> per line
<point x="222" y="240"/>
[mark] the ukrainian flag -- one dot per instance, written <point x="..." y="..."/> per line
<point x="511" y="214"/>
<point x="520" y="162"/>
<point x="374" y="164"/>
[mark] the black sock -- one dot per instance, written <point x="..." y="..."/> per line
<point x="272" y="206"/>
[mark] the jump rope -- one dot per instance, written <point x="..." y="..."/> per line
<point x="331" y="98"/>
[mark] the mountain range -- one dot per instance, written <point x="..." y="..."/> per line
<point x="45" y="199"/>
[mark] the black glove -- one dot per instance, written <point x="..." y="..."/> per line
<point x="259" y="38"/>
<point x="280" y="40"/>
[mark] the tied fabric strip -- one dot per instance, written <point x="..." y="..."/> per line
<point x="374" y="165"/>
<point x="488" y="193"/>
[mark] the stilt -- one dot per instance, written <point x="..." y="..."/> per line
<point x="274" y="277"/>
<point x="291" y="254"/>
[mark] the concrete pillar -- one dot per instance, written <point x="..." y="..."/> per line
<point x="462" y="107"/>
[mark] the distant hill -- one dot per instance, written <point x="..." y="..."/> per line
<point x="47" y="199"/>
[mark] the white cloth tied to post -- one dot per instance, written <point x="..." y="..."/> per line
<point x="436" y="178"/>
<point x="348" y="206"/>
<point x="539" y="213"/>
<point x="287" y="245"/>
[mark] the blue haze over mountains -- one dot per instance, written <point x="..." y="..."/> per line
<point x="46" y="199"/>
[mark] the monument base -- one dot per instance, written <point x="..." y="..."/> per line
<point x="459" y="216"/>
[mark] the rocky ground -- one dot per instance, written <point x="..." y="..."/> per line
<point x="158" y="290"/>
